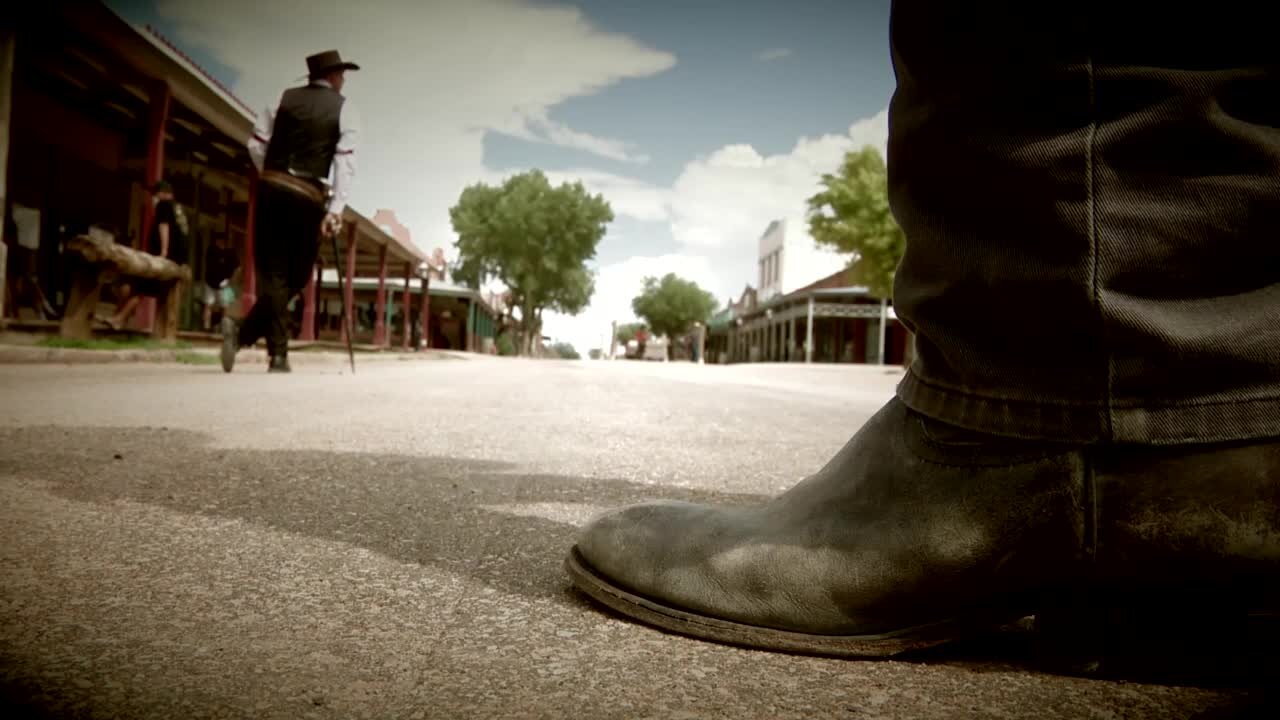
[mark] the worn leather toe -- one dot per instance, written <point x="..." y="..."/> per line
<point x="885" y="537"/>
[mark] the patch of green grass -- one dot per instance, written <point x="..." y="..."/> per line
<point x="125" y="343"/>
<point x="195" y="358"/>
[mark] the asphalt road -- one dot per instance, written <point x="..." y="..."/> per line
<point x="180" y="543"/>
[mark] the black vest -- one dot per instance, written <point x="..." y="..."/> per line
<point x="306" y="131"/>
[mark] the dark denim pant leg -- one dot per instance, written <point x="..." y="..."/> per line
<point x="286" y="230"/>
<point x="1091" y="199"/>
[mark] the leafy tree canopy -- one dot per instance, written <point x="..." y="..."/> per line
<point x="851" y="214"/>
<point x="672" y="305"/>
<point x="535" y="239"/>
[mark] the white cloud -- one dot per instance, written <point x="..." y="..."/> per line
<point x="718" y="208"/>
<point x="773" y="54"/>
<point x="435" y="77"/>
<point x="728" y="198"/>
<point x="535" y="126"/>
<point x="627" y="196"/>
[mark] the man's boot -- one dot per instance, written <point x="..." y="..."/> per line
<point x="279" y="364"/>
<point x="918" y="533"/>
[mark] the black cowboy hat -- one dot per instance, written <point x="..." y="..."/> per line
<point x="323" y="63"/>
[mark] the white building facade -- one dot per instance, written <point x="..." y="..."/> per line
<point x="789" y="259"/>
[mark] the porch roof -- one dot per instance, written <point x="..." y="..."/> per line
<point x="395" y="285"/>
<point x="148" y="56"/>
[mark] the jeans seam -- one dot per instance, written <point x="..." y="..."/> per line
<point x="1091" y="200"/>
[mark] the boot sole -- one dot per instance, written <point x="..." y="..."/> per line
<point x="1148" y="639"/>
<point x="705" y="627"/>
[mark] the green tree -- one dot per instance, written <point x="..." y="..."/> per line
<point x="851" y="214"/>
<point x="595" y="353"/>
<point x="628" y="332"/>
<point x="535" y="239"/>
<point x="565" y="351"/>
<point x="504" y="345"/>
<point x="672" y="305"/>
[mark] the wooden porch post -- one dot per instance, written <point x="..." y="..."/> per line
<point x="471" y="312"/>
<point x="380" y="305"/>
<point x="808" y="337"/>
<point x="789" y="337"/>
<point x="884" y="320"/>
<point x="424" y="314"/>
<point x="157" y="121"/>
<point x="8" y="38"/>
<point x="309" y="309"/>
<point x="840" y="323"/>
<point x="348" y="328"/>
<point x="406" y="305"/>
<point x="248" y="265"/>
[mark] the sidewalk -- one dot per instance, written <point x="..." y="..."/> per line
<point x="20" y="349"/>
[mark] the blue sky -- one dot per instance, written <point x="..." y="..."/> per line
<point x="698" y="120"/>
<point x="719" y="93"/>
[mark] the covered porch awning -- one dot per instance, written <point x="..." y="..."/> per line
<point x="845" y="302"/>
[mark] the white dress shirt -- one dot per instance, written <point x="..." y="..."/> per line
<point x="343" y="172"/>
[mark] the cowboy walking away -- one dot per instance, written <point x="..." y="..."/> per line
<point x="297" y="145"/>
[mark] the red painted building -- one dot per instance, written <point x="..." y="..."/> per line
<point x="100" y="111"/>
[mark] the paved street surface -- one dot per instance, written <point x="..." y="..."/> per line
<point x="180" y="543"/>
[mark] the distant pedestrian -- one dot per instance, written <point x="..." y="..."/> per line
<point x="220" y="263"/>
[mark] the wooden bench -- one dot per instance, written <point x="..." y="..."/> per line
<point x="95" y="261"/>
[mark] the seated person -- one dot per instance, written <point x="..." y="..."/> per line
<point x="168" y="239"/>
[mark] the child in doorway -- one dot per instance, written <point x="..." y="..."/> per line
<point x="217" y="293"/>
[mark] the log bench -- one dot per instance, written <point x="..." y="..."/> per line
<point x="96" y="261"/>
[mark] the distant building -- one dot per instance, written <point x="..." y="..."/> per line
<point x="802" y="311"/>
<point x="789" y="259"/>
<point x="437" y="266"/>
<point x="387" y="221"/>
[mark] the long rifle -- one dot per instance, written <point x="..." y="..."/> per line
<point x="345" y="316"/>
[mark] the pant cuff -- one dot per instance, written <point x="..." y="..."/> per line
<point x="1209" y="421"/>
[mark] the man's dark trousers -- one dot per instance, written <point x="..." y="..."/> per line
<point x="286" y="242"/>
<point x="1091" y="199"/>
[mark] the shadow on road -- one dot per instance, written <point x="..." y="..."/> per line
<point x="434" y="511"/>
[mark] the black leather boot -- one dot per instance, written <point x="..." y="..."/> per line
<point x="918" y="533"/>
<point x="279" y="364"/>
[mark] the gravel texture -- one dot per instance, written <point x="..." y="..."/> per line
<point x="180" y="543"/>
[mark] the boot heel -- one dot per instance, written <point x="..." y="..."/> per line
<point x="1171" y="635"/>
